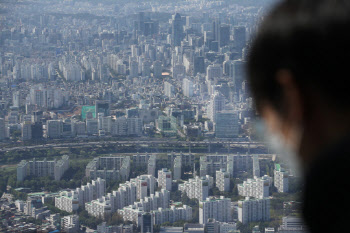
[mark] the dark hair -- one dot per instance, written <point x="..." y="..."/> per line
<point x="310" y="39"/>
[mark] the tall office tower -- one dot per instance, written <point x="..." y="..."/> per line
<point x="216" y="29"/>
<point x="146" y="68"/>
<point x="37" y="130"/>
<point x="257" y="187"/>
<point x="217" y="104"/>
<point x="239" y="35"/>
<point x="177" y="168"/>
<point x="214" y="46"/>
<point x="106" y="124"/>
<point x="198" y="65"/>
<point x="16" y="96"/>
<point x="179" y="70"/>
<point x="254" y="210"/>
<point x="147" y="223"/>
<point x="208" y="38"/>
<point x="256" y="166"/>
<point x="216" y="208"/>
<point x="214" y="71"/>
<point x="141" y="22"/>
<point x="26" y="130"/>
<point x="165" y="179"/>
<point x="54" y="129"/>
<point x="224" y="35"/>
<point x="151" y="28"/>
<point x="177" y="32"/>
<point x="2" y="129"/>
<point x="102" y="106"/>
<point x="157" y="69"/>
<point x="281" y="180"/>
<point x="135" y="125"/>
<point x="188" y="21"/>
<point x="134" y="69"/>
<point x="187" y="87"/>
<point x="99" y="120"/>
<point x="169" y="90"/>
<point x="135" y="51"/>
<point x="91" y="126"/>
<point x="237" y="73"/>
<point x="226" y="124"/>
<point x="223" y="180"/>
<point x="37" y="116"/>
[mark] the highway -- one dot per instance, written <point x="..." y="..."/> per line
<point x="136" y="142"/>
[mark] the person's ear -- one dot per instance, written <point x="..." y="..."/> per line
<point x="292" y="98"/>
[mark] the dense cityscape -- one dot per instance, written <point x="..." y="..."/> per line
<point x="135" y="116"/>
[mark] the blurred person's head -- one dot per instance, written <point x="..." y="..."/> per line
<point x="298" y="70"/>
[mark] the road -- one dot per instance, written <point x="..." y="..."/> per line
<point x="138" y="142"/>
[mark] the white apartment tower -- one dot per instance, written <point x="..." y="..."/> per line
<point x="253" y="210"/>
<point x="223" y="180"/>
<point x="198" y="187"/>
<point x="257" y="187"/>
<point x="165" y="179"/>
<point x="281" y="180"/>
<point x="169" y="90"/>
<point x="187" y="87"/>
<point x="216" y="208"/>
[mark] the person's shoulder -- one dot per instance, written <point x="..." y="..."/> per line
<point x="326" y="182"/>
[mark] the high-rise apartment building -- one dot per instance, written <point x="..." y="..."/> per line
<point x="257" y="187"/>
<point x="223" y="180"/>
<point x="187" y="87"/>
<point x="54" y="169"/>
<point x="169" y="90"/>
<point x="165" y="179"/>
<point x="253" y="210"/>
<point x="109" y="168"/>
<point x="281" y="179"/>
<point x="197" y="187"/>
<point x="70" y="201"/>
<point x="216" y="208"/>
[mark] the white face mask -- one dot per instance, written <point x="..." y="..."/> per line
<point x="287" y="153"/>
